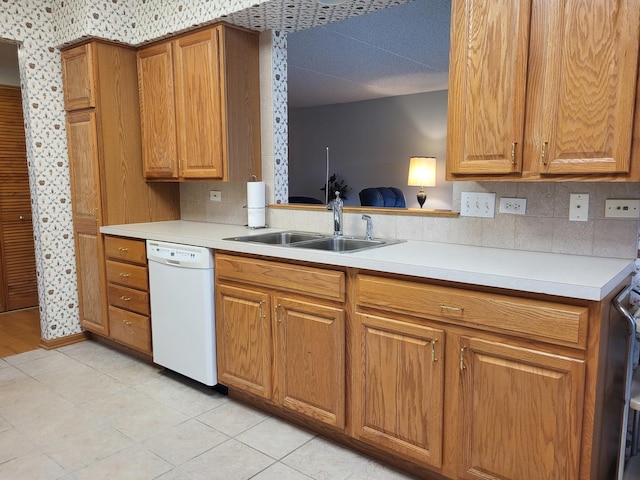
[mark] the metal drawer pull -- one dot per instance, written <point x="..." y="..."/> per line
<point x="126" y="322"/>
<point x="450" y="309"/>
<point x="462" y="365"/>
<point x="513" y="152"/>
<point x="433" y="351"/>
<point x="124" y="275"/>
<point x="544" y="153"/>
<point x="123" y="249"/>
<point x="125" y="299"/>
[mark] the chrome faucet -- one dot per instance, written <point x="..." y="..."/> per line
<point x="337" y="215"/>
<point x="367" y="235"/>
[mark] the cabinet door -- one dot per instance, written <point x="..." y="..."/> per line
<point x="78" y="76"/>
<point x="522" y="412"/>
<point x="398" y="372"/>
<point x="85" y="193"/>
<point x="158" y="111"/>
<point x="244" y="341"/>
<point x="487" y="86"/>
<point x="588" y="53"/>
<point x="197" y="73"/>
<point x="310" y="356"/>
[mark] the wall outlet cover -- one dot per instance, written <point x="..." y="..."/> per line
<point x="623" y="208"/>
<point x="515" y="206"/>
<point x="476" y="204"/>
<point x="579" y="207"/>
<point x="215" y="196"/>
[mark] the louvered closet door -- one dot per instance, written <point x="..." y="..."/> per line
<point x="17" y="255"/>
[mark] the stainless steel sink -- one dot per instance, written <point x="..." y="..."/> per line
<point x="278" y="238"/>
<point x="315" y="241"/>
<point x="341" y="244"/>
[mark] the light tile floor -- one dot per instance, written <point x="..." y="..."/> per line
<point x="87" y="411"/>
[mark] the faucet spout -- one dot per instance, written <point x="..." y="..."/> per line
<point x="337" y="215"/>
<point x="367" y="235"/>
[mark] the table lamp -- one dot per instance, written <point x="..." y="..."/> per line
<point x="422" y="173"/>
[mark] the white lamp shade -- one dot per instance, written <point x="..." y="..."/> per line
<point x="422" y="172"/>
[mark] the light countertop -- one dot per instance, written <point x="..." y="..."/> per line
<point x="573" y="276"/>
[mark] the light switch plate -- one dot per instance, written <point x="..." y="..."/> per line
<point x="476" y="204"/>
<point x="579" y="207"/>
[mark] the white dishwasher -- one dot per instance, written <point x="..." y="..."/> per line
<point x="182" y="309"/>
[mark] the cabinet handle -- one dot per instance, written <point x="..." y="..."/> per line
<point x="260" y="311"/>
<point x="462" y="365"/>
<point x="277" y="309"/>
<point x="450" y="309"/>
<point x="544" y="153"/>
<point x="125" y="299"/>
<point x="124" y="275"/>
<point x="513" y="152"/>
<point x="125" y="322"/>
<point x="21" y="217"/>
<point x="123" y="249"/>
<point x="433" y="351"/>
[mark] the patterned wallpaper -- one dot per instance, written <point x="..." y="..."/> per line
<point x="31" y="22"/>
<point x="40" y="26"/>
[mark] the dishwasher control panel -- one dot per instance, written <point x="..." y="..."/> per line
<point x="178" y="254"/>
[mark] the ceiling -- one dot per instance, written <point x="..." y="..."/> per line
<point x="399" y="50"/>
<point x="361" y="50"/>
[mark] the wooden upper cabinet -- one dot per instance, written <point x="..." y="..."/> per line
<point x="487" y="77"/>
<point x="158" y="111"/>
<point x="582" y="86"/>
<point x="543" y="90"/>
<point x="200" y="106"/>
<point x="79" y="85"/>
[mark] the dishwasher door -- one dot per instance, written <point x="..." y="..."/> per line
<point x="181" y="288"/>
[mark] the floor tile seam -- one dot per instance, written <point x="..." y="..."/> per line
<point x="136" y="444"/>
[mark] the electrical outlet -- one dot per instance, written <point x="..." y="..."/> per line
<point x="215" y="196"/>
<point x="579" y="207"/>
<point x="516" y="206"/>
<point x="475" y="204"/>
<point x="622" y="208"/>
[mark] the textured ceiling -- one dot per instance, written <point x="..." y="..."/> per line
<point x="395" y="51"/>
<point x="360" y="50"/>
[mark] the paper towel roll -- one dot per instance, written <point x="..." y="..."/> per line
<point x="256" y="197"/>
<point x="256" y="217"/>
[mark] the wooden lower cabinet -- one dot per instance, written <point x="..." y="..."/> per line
<point x="444" y="380"/>
<point x="310" y="353"/>
<point x="521" y="412"/>
<point x="91" y="278"/>
<point x="243" y="337"/>
<point x="287" y="349"/>
<point x="398" y="389"/>
<point x="128" y="292"/>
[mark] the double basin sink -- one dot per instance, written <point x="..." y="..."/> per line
<point x="315" y="241"/>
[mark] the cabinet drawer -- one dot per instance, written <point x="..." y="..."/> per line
<point x="130" y="328"/>
<point x="129" y="299"/>
<point x="321" y="283"/>
<point x="133" y="276"/>
<point x="125" y="249"/>
<point x="541" y="320"/>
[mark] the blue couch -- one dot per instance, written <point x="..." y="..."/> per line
<point x="382" y="197"/>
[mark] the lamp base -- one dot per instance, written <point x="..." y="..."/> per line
<point x="422" y="197"/>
